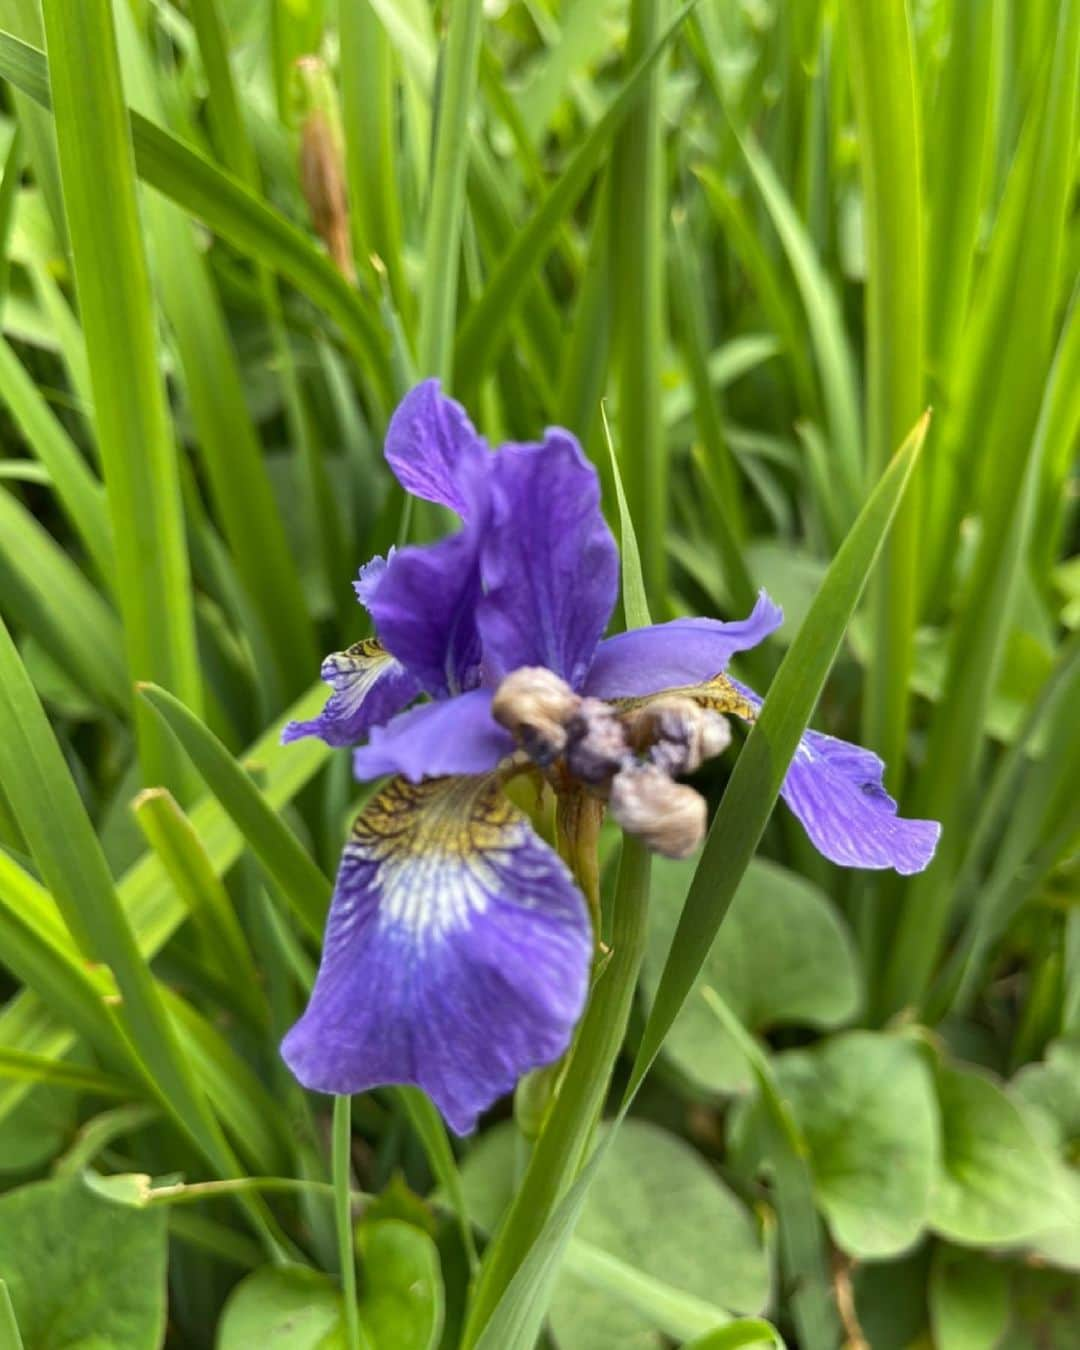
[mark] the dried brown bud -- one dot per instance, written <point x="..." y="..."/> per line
<point x="677" y="734"/>
<point x="596" y="745"/>
<point x="535" y="705"/>
<point x="322" y="162"/>
<point x="668" y="817"/>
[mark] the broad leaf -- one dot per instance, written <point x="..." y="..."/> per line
<point x="782" y="958"/>
<point x="82" y="1272"/>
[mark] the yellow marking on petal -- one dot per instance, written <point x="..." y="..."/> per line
<point x="436" y="845"/>
<point x="717" y="694"/>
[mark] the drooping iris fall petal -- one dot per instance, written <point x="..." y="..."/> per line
<point x="368" y="687"/>
<point x="452" y="736"/>
<point x="456" y="956"/>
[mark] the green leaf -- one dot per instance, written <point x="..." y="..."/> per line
<point x="865" y="1104"/>
<point x="134" y="435"/>
<point x="9" y="1328"/>
<point x="287" y="1307"/>
<point x="275" y="845"/>
<point x="634" y="600"/>
<point x="1050" y="1094"/>
<point x="969" y="1300"/>
<point x="643" y="1260"/>
<point x="998" y="1184"/>
<point x="81" y="1270"/>
<point x="782" y="958"/>
<point x="401" y="1303"/>
<point x="762" y="763"/>
<point x="294" y="1308"/>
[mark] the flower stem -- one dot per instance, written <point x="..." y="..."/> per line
<point x="342" y="1140"/>
<point x="563" y="1144"/>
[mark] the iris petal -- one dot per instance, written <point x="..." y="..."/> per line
<point x="682" y="652"/>
<point x="368" y="686"/>
<point x="549" y="563"/>
<point x="835" y="789"/>
<point x="456" y="957"/>
<point x="456" y="735"/>
<point x="424" y="608"/>
<point x="434" y="450"/>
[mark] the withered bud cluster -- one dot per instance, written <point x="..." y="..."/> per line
<point x="631" y="759"/>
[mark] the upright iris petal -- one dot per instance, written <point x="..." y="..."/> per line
<point x="456" y="955"/>
<point x="549" y="563"/>
<point x="433" y="449"/>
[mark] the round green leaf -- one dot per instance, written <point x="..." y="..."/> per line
<point x="81" y="1271"/>
<point x="998" y="1182"/>
<point x="283" y="1308"/>
<point x="969" y="1300"/>
<point x="783" y="957"/>
<point x="865" y="1103"/>
<point x="401" y="1301"/>
<point x="1050" y="1091"/>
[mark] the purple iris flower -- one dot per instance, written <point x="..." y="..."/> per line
<point x="458" y="947"/>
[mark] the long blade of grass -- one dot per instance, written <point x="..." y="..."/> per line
<point x="638" y="202"/>
<point x="883" y="77"/>
<point x="10" y="1339"/>
<point x="240" y="487"/>
<point x="70" y="860"/>
<point x="447" y="203"/>
<point x="133" y="433"/>
<point x="278" y="849"/>
<point x="762" y="763"/>
<point x="1013" y="440"/>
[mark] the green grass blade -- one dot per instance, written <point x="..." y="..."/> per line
<point x="883" y="78"/>
<point x="70" y="860"/>
<point x="133" y="434"/>
<point x="9" y="1328"/>
<point x="275" y="845"/>
<point x="52" y="600"/>
<point x="171" y="835"/>
<point x="763" y="760"/>
<point x="833" y="354"/>
<point x="240" y="488"/>
<point x="958" y="168"/>
<point x="430" y="1130"/>
<point x="634" y="599"/>
<point x="79" y="493"/>
<point x="638" y="202"/>
<point x="1013" y="439"/>
<point x="485" y="327"/>
<point x="446" y="207"/>
<point x="29" y="1068"/>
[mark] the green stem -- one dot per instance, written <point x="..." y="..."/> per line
<point x="343" y="1216"/>
<point x="562" y="1146"/>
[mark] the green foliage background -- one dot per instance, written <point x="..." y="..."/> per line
<point x="842" y="1108"/>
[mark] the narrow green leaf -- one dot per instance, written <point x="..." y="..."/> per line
<point x="634" y="600"/>
<point x="759" y="771"/>
<point x="431" y="1132"/>
<point x="171" y="835"/>
<point x="274" y="844"/>
<point x="883" y="78"/>
<point x="44" y="591"/>
<point x="79" y="493"/>
<point x="638" y="202"/>
<point x="133" y="434"/>
<point x="41" y="792"/>
<point x="39" y="1069"/>
<point x="9" y="1328"/>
